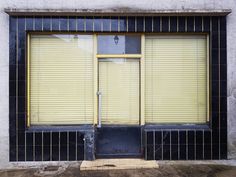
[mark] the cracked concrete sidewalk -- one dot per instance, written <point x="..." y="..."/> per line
<point x="225" y="168"/>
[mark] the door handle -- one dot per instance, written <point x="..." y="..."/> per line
<point x="99" y="94"/>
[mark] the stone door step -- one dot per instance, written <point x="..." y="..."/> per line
<point x="116" y="164"/>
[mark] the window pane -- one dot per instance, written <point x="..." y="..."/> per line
<point x="61" y="79"/>
<point x="176" y="79"/>
<point x="119" y="44"/>
<point x="119" y="85"/>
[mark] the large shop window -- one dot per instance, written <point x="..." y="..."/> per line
<point x="61" y="79"/>
<point x="176" y="79"/>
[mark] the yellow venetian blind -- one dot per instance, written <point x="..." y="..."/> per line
<point x="119" y="85"/>
<point x="176" y="79"/>
<point x="61" y="79"/>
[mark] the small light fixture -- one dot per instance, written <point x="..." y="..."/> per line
<point x="116" y="39"/>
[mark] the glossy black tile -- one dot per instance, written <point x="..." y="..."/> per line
<point x="223" y="136"/>
<point x="55" y="138"/>
<point x="89" y="24"/>
<point x="21" y="137"/>
<point x="223" y="72"/>
<point x="29" y="139"/>
<point x="21" y="121"/>
<point x="21" y="72"/>
<point x="182" y="137"/>
<point x="80" y="138"/>
<point x="46" y="23"/>
<point x="215" y="40"/>
<point x="12" y="109"/>
<point x="166" y="137"/>
<point x="149" y="138"/>
<point x="72" y="24"/>
<point x="166" y="152"/>
<point x="80" y="152"/>
<point x="223" y="121"/>
<point x="55" y="24"/>
<point x="199" y="137"/>
<point x="198" y="24"/>
<point x="114" y="24"/>
<point x="63" y="138"/>
<point x="72" y="146"/>
<point x="215" y="72"/>
<point x="55" y="153"/>
<point x="150" y="152"/>
<point x="38" y="23"/>
<point x="207" y="152"/>
<point x="123" y="24"/>
<point x="148" y="24"/>
<point x="223" y="88"/>
<point x="12" y="153"/>
<point x="191" y="137"/>
<point x="215" y="24"/>
<point x="222" y="23"/>
<point x="12" y="88"/>
<point x="215" y="105"/>
<point x="38" y="153"/>
<point x="80" y="24"/>
<point x="106" y="24"/>
<point x="173" y="24"/>
<point x="140" y="24"/>
<point x="223" y="104"/>
<point x="207" y="137"/>
<point x="174" y="137"/>
<point x="21" y="104"/>
<point x="30" y="23"/>
<point x="38" y="138"/>
<point x="215" y="137"/>
<point x="223" y="39"/>
<point x="63" y="152"/>
<point x="191" y="152"/>
<point x="46" y="138"/>
<point x="158" y="152"/>
<point x="63" y="24"/>
<point x="21" y="88"/>
<point x="223" y="151"/>
<point x="156" y="24"/>
<point x="190" y="24"/>
<point x="215" y="88"/>
<point x="21" y="153"/>
<point x="46" y="153"/>
<point x="158" y="137"/>
<point x="199" y="152"/>
<point x="215" y="151"/>
<point x="223" y="53"/>
<point x="165" y="24"/>
<point x="29" y="153"/>
<point x="97" y="24"/>
<point x="215" y="120"/>
<point x="181" y="24"/>
<point x="131" y="24"/>
<point x="206" y="24"/>
<point x="174" y="152"/>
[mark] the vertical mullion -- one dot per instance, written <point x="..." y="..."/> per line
<point x="142" y="82"/>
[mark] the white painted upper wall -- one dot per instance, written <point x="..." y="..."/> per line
<point x="114" y="4"/>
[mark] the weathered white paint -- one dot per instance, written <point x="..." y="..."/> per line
<point x="116" y="4"/>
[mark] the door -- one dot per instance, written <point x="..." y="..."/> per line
<point x="119" y="88"/>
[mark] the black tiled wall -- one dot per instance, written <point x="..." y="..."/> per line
<point x="166" y="144"/>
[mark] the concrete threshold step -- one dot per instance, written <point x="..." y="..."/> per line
<point x="116" y="164"/>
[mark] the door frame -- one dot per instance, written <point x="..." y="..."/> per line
<point x="141" y="74"/>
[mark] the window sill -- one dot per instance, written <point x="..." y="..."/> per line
<point x="48" y="128"/>
<point x="177" y="126"/>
